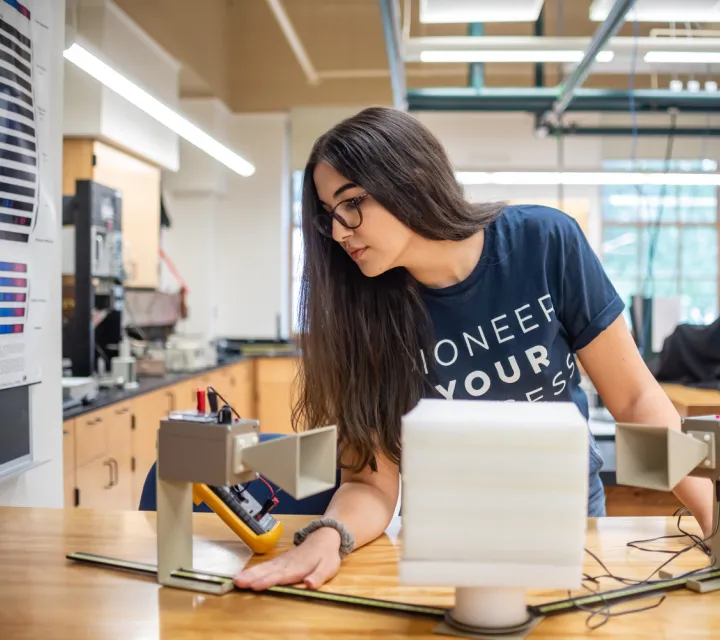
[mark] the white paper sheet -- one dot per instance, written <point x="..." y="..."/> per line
<point x="27" y="213"/>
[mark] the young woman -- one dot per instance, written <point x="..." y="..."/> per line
<point x="411" y="291"/>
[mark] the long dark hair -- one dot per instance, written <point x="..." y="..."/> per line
<point x="360" y="337"/>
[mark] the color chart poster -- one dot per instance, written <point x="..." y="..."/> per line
<point x="28" y="216"/>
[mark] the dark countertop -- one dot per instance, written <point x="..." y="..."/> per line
<point x="146" y="384"/>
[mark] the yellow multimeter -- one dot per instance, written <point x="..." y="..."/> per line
<point x="252" y="522"/>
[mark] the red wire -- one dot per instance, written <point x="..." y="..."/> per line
<point x="173" y="269"/>
<point x="269" y="486"/>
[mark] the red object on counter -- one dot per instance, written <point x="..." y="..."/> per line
<point x="201" y="401"/>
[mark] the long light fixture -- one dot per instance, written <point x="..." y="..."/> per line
<point x="661" y="11"/>
<point x="118" y="83"/>
<point x="454" y="11"/>
<point x="510" y="56"/>
<point x="683" y="57"/>
<point x="586" y="178"/>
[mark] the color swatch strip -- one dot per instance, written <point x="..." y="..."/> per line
<point x="6" y="329"/>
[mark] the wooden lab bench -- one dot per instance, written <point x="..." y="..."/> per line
<point x="692" y="402"/>
<point x="45" y="596"/>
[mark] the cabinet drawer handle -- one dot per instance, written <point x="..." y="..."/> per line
<point x="117" y="471"/>
<point x="171" y="396"/>
<point x="110" y="467"/>
<point x="90" y="423"/>
<point x="121" y="411"/>
<point x="66" y="433"/>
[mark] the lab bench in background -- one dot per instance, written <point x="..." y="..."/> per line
<point x="110" y="447"/>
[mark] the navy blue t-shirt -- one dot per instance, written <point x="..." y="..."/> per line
<point x="509" y="331"/>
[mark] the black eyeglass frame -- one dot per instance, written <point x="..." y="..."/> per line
<point x="318" y="220"/>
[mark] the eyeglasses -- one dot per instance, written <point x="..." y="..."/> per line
<point x="347" y="213"/>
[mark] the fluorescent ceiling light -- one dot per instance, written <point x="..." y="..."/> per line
<point x="118" y="83"/>
<point x="683" y="57"/>
<point x="661" y="11"/>
<point x="454" y="11"/>
<point x="586" y="178"/>
<point x="633" y="200"/>
<point x="510" y="56"/>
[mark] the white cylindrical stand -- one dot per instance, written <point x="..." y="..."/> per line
<point x="490" y="608"/>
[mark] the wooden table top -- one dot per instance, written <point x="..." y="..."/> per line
<point x="42" y="595"/>
<point x="691" y="401"/>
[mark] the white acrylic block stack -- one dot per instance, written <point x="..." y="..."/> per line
<point x="494" y="494"/>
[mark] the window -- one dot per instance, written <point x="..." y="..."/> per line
<point x="296" y="245"/>
<point x="663" y="240"/>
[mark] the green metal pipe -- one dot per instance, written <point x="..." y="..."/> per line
<point x="640" y="131"/>
<point x="540" y="100"/>
<point x="477" y="69"/>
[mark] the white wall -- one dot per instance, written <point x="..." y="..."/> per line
<point x="42" y="486"/>
<point x="253" y="233"/>
<point x="506" y="142"/>
<point x="307" y="124"/>
<point x="230" y="234"/>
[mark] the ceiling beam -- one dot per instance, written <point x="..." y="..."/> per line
<point x="540" y="100"/>
<point x="293" y="40"/>
<point x="390" y="10"/>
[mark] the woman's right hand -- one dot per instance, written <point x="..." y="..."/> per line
<point x="313" y="562"/>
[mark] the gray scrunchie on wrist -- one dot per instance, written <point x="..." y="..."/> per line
<point x="347" y="542"/>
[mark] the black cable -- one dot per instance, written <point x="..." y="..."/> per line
<point x="606" y="611"/>
<point x="217" y="393"/>
<point x="683" y="534"/>
<point x="697" y="542"/>
<point x="241" y="488"/>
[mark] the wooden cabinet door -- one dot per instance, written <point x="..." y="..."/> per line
<point x="120" y="452"/>
<point x="105" y="481"/>
<point x="243" y="385"/>
<point x="69" y="463"/>
<point x="95" y="482"/>
<point x="275" y="378"/>
<point x="148" y="411"/>
<point x="225" y="382"/>
<point x="91" y="436"/>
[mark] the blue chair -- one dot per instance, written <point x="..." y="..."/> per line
<point x="287" y="505"/>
